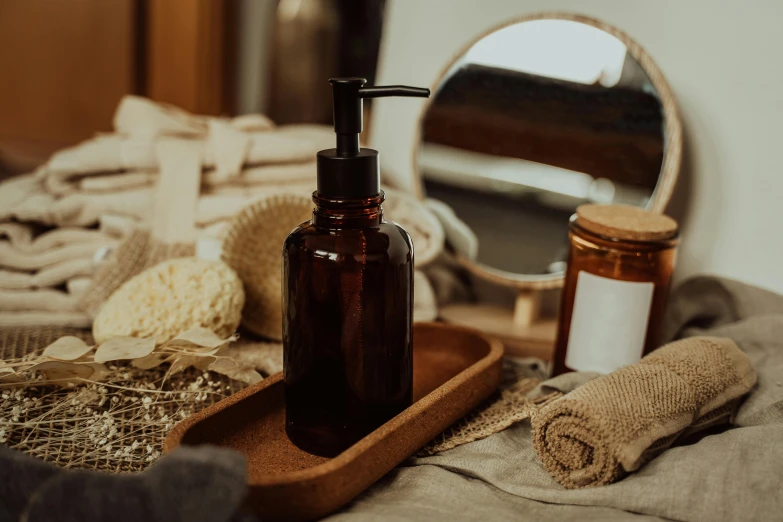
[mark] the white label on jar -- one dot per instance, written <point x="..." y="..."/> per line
<point x="608" y="323"/>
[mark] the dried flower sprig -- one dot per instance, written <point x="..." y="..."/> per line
<point x="70" y="361"/>
<point x="117" y="424"/>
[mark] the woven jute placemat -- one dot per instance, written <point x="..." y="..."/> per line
<point x="115" y="425"/>
<point x="508" y="406"/>
<point x="119" y="425"/>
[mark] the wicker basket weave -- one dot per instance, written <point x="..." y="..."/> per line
<point x="253" y="246"/>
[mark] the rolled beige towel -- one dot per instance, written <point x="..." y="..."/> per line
<point x="612" y="425"/>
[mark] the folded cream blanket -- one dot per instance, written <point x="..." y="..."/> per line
<point x="105" y="189"/>
<point x="612" y="425"/>
<point x="67" y="169"/>
<point x="50" y="259"/>
<point x="223" y="146"/>
<point x="258" y="175"/>
<point x="41" y="277"/>
<point x="54" y="275"/>
<point x="85" y="209"/>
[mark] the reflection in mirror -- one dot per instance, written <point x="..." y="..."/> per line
<point x="532" y="121"/>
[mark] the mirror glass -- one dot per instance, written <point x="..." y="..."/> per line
<point x="532" y="121"/>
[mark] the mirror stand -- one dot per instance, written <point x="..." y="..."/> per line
<point x="524" y="332"/>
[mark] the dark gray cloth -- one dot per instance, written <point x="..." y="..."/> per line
<point x="192" y="484"/>
<point x="20" y="477"/>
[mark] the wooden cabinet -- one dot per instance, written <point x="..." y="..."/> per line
<point x="64" y="65"/>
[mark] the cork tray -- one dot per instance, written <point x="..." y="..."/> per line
<point x="454" y="370"/>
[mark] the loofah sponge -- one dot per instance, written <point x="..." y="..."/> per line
<point x="172" y="297"/>
<point x="253" y="247"/>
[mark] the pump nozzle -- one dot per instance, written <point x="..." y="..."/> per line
<point x="347" y="171"/>
<point x="348" y="94"/>
<point x="394" y="90"/>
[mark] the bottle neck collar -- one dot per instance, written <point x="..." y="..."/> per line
<point x="348" y="213"/>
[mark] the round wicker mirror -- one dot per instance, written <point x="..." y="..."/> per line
<point x="532" y="119"/>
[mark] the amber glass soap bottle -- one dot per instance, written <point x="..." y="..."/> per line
<point x="347" y="295"/>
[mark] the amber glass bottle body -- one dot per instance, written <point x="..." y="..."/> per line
<point x="619" y="260"/>
<point x="347" y="324"/>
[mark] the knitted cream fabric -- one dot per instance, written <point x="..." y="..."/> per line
<point x="254" y="240"/>
<point x="423" y="226"/>
<point x="613" y="424"/>
<point x="172" y="297"/>
<point x="425" y="308"/>
<point x="253" y="247"/>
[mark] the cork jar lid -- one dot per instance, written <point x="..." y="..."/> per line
<point x="625" y="222"/>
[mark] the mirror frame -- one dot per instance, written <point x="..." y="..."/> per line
<point x="670" y="168"/>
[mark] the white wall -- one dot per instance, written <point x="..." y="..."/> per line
<point x="559" y="49"/>
<point x="723" y="61"/>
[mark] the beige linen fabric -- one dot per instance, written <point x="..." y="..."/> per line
<point x="732" y="475"/>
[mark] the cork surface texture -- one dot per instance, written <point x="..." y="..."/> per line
<point x="455" y="369"/>
<point x="626" y="222"/>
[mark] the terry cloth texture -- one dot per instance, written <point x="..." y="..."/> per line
<point x="612" y="425"/>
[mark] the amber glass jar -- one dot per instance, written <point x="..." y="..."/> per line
<point x="620" y="264"/>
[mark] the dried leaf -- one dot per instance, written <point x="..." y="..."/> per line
<point x="67" y="348"/>
<point x="199" y="339"/>
<point x="234" y="370"/>
<point x="181" y="362"/>
<point x="153" y="360"/>
<point x="203" y="363"/>
<point x="181" y="350"/>
<point x="178" y="364"/>
<point x="64" y="372"/>
<point x="124" y="348"/>
<point x="8" y="375"/>
<point x="100" y="371"/>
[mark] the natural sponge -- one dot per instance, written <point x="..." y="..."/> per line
<point x="172" y="297"/>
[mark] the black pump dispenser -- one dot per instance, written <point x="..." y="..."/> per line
<point x="348" y="171"/>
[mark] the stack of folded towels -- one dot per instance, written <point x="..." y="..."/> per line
<point x="57" y="222"/>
